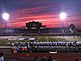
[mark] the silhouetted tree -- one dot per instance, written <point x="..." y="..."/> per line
<point x="72" y="29"/>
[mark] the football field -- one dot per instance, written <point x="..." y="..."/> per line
<point x="6" y="40"/>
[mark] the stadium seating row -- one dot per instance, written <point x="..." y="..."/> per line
<point x="13" y="31"/>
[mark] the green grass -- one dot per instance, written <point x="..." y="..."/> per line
<point x="41" y="39"/>
<point x="3" y="42"/>
<point x="56" y="39"/>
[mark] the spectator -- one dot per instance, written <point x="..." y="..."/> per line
<point x="54" y="60"/>
<point x="36" y="59"/>
<point x="50" y="58"/>
<point x="1" y="57"/>
<point x="76" y="59"/>
<point x="44" y="59"/>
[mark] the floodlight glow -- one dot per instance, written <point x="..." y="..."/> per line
<point x="63" y="16"/>
<point x="5" y="16"/>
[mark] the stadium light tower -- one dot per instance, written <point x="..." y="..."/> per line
<point x="62" y="16"/>
<point x="5" y="17"/>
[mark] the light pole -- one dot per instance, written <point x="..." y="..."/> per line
<point x="5" y="17"/>
<point x="63" y="16"/>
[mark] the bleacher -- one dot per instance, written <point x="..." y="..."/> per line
<point x="57" y="56"/>
<point x="19" y="31"/>
<point x="29" y="56"/>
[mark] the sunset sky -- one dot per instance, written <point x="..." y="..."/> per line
<point x="44" y="11"/>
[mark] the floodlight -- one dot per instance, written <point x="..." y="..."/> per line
<point x="5" y="16"/>
<point x="63" y="16"/>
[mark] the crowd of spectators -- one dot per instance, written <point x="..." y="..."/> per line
<point x="48" y="46"/>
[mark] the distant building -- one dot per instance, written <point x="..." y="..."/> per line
<point x="35" y="27"/>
